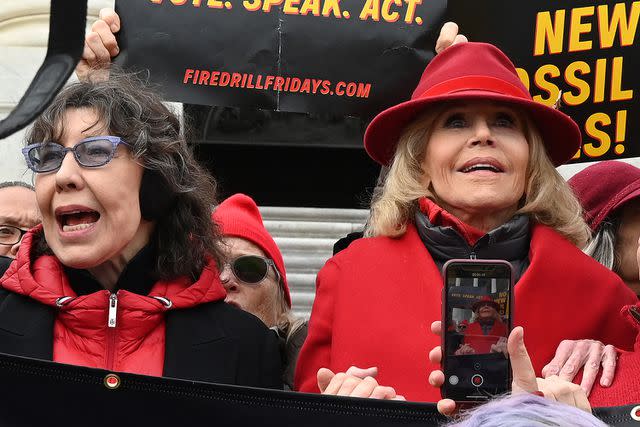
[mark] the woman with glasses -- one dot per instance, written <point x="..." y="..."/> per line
<point x="255" y="278"/>
<point x="123" y="274"/>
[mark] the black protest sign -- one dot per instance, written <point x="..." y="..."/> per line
<point x="581" y="54"/>
<point x="353" y="57"/>
<point x="39" y="393"/>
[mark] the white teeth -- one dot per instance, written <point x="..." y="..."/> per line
<point x="78" y="227"/>
<point x="479" y="166"/>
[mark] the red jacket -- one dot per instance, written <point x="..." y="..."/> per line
<point x="375" y="302"/>
<point x="481" y="343"/>
<point x="82" y="334"/>
<point x="625" y="389"/>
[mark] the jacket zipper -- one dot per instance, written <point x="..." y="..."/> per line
<point x="111" y="329"/>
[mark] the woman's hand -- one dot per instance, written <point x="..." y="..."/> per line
<point x="356" y="382"/>
<point x="500" y="347"/>
<point x="590" y="354"/>
<point x="524" y="378"/>
<point x="465" y="349"/>
<point x="449" y="36"/>
<point x="100" y="46"/>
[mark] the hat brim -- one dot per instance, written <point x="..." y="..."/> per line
<point x="613" y="205"/>
<point x="560" y="134"/>
<point x="493" y="304"/>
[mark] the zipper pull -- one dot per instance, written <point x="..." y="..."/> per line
<point x="113" y="309"/>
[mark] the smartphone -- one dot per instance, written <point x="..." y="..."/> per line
<point x="477" y="312"/>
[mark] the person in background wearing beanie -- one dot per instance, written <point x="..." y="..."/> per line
<point x="472" y="174"/>
<point x="254" y="275"/>
<point x="609" y="193"/>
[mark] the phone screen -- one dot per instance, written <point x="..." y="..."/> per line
<point x="476" y="323"/>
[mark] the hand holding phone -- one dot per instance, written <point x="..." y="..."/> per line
<point x="477" y="312"/>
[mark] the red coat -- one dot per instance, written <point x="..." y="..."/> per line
<point x="81" y="334"/>
<point x="481" y="343"/>
<point x="625" y="389"/>
<point x="375" y="302"/>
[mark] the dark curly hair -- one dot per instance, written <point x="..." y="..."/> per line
<point x="185" y="236"/>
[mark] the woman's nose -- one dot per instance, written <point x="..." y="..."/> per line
<point x="227" y="278"/>
<point x="68" y="176"/>
<point x="482" y="133"/>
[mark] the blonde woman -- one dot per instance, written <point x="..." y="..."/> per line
<point x="472" y="175"/>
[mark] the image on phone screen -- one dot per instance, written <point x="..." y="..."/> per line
<point x="477" y="322"/>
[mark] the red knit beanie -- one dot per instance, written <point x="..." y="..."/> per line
<point x="604" y="187"/>
<point x="238" y="216"/>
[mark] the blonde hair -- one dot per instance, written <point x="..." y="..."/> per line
<point x="547" y="199"/>
<point x="286" y="321"/>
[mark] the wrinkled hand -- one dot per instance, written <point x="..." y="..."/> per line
<point x="464" y="349"/>
<point x="100" y="46"/>
<point x="555" y="388"/>
<point x="590" y="354"/>
<point x="524" y="378"/>
<point x="356" y="382"/>
<point x="449" y="36"/>
<point x="500" y="347"/>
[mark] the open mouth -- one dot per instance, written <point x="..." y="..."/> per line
<point x="481" y="167"/>
<point x="482" y="164"/>
<point x="77" y="220"/>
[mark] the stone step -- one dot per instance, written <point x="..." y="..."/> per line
<point x="277" y="213"/>
<point x="303" y="281"/>
<point x="305" y="244"/>
<point x="306" y="263"/>
<point x="306" y="237"/>
<point x="311" y="229"/>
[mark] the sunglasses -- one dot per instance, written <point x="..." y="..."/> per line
<point x="252" y="269"/>
<point x="90" y="153"/>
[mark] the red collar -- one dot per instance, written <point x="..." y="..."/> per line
<point x="440" y="217"/>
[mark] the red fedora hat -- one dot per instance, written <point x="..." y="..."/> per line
<point x="469" y="71"/>
<point x="485" y="300"/>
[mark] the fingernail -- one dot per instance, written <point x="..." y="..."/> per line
<point x="606" y="382"/>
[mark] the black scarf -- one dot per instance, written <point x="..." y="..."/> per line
<point x="509" y="242"/>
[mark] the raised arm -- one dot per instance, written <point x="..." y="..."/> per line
<point x="100" y="46"/>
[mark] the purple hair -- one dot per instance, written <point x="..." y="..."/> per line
<point x="526" y="410"/>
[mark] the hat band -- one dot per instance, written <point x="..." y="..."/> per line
<point x="484" y="83"/>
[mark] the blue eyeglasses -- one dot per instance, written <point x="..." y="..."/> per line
<point x="90" y="153"/>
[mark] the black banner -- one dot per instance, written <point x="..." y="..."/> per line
<point x="345" y="57"/>
<point x="359" y="57"/>
<point x="582" y="53"/>
<point x="37" y="393"/>
<point x="40" y="393"/>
